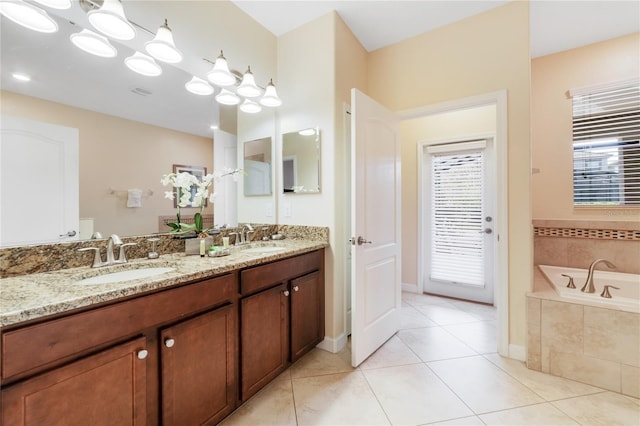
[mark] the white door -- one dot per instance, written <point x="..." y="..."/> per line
<point x="375" y="221"/>
<point x="225" y="155"/>
<point x="39" y="161"/>
<point x="459" y="253"/>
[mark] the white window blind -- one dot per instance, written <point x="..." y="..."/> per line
<point x="606" y="144"/>
<point x="457" y="248"/>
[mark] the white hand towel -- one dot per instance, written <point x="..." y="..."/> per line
<point x="134" y="198"/>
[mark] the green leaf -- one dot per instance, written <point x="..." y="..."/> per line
<point x="197" y="219"/>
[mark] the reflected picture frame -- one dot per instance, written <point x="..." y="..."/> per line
<point x="199" y="172"/>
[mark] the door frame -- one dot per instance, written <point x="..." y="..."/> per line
<point x="491" y="162"/>
<point x="501" y="265"/>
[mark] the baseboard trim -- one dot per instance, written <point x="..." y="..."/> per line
<point x="410" y="288"/>
<point x="517" y="352"/>
<point x="333" y="345"/>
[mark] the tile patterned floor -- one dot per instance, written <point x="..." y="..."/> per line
<point x="441" y="368"/>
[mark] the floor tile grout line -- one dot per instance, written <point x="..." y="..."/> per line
<point x="450" y="388"/>
<point x="376" y="397"/>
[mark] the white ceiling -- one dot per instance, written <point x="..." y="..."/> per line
<point x="82" y="80"/>
<point x="556" y="25"/>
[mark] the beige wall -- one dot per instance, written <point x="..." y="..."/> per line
<point x="551" y="117"/>
<point x="318" y="64"/>
<point x="119" y="154"/>
<point x="456" y="125"/>
<point x="481" y="54"/>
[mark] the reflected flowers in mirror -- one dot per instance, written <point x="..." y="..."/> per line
<point x="191" y="191"/>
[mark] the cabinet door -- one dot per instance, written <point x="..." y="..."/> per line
<point x="108" y="388"/>
<point x="264" y="338"/>
<point x="307" y="323"/>
<point x="198" y="364"/>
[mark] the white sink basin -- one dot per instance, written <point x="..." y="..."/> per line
<point x="269" y="249"/>
<point x="132" y="274"/>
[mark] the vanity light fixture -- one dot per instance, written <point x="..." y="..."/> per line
<point x="270" y="98"/>
<point x="198" y="86"/>
<point x="250" y="107"/>
<point x="220" y="74"/>
<point x="28" y="16"/>
<point x="248" y="87"/>
<point x="226" y="97"/>
<point x="109" y="19"/>
<point x="143" y="64"/>
<point x="162" y="46"/>
<point x="94" y="43"/>
<point x="55" y="4"/>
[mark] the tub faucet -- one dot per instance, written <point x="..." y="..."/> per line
<point x="588" y="286"/>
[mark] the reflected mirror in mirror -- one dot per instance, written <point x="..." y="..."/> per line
<point x="257" y="167"/>
<point x="606" y="172"/>
<point x="301" y="162"/>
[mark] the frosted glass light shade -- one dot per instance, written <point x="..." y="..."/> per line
<point x="198" y="86"/>
<point x="250" y="106"/>
<point x="162" y="46"/>
<point x="143" y="64"/>
<point x="109" y="19"/>
<point x="55" y="4"/>
<point x="28" y="16"/>
<point x="220" y="74"/>
<point x="226" y="97"/>
<point x="93" y="43"/>
<point x="270" y="98"/>
<point x="248" y="87"/>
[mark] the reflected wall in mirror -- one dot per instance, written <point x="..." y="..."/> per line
<point x="301" y="162"/>
<point x="257" y="167"/>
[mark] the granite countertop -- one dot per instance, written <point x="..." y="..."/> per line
<point x="34" y="296"/>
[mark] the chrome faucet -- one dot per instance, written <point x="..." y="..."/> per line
<point x="97" y="257"/>
<point x="588" y="286"/>
<point x="247" y="229"/>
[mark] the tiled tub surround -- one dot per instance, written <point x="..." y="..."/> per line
<point x="575" y="244"/>
<point x="24" y="260"/>
<point x="29" y="297"/>
<point x="581" y="341"/>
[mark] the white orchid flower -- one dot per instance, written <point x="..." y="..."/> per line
<point x="169" y="195"/>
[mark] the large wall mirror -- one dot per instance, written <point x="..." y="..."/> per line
<point x="257" y="167"/>
<point x="301" y="162"/>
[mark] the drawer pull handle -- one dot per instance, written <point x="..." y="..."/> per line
<point x="169" y="343"/>
<point x="142" y="354"/>
<point x="286" y="292"/>
<point x="296" y="288"/>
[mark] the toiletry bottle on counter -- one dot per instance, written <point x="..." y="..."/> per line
<point x="202" y="247"/>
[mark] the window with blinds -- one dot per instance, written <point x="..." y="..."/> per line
<point x="457" y="241"/>
<point x="606" y="145"/>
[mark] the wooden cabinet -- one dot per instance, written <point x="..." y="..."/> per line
<point x="107" y="366"/>
<point x="282" y="317"/>
<point x="108" y="388"/>
<point x="198" y="364"/>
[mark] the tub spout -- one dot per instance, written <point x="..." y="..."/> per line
<point x="588" y="286"/>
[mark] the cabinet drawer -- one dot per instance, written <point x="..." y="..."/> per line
<point x="264" y="276"/>
<point x="33" y="348"/>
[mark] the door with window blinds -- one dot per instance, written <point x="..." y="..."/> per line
<point x="459" y="231"/>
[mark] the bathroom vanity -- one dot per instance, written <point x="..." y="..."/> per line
<point x="174" y="350"/>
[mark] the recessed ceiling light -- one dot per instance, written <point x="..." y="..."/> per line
<point x="21" y="77"/>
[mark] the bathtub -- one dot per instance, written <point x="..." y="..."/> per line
<point x="627" y="297"/>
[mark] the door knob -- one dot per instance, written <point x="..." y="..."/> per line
<point x="169" y="343"/>
<point x="362" y="241"/>
<point x="142" y="354"/>
<point x="71" y="233"/>
<point x="486" y="231"/>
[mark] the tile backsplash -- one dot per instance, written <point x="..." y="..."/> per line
<point x="576" y="244"/>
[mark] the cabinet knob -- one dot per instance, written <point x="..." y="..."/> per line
<point x="286" y="292"/>
<point x="296" y="288"/>
<point x="169" y="343"/>
<point x="142" y="354"/>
